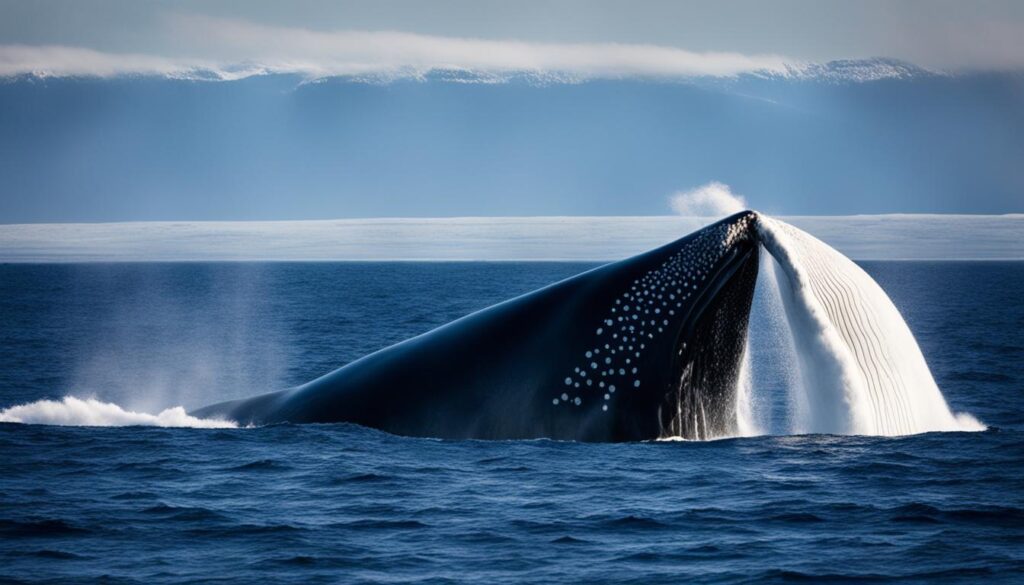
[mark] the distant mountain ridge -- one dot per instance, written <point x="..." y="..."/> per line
<point x="835" y="72"/>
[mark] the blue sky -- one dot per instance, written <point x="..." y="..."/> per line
<point x="127" y="111"/>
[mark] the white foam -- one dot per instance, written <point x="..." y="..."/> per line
<point x="89" y="412"/>
<point x="861" y="370"/>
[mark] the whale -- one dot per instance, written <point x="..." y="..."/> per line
<point x="639" y="349"/>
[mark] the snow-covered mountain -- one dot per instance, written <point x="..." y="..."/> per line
<point x="855" y="71"/>
<point x="839" y="71"/>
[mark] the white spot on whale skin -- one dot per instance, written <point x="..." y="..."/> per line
<point x="565" y="396"/>
<point x="590" y="354"/>
<point x="604" y="407"/>
<point x="600" y="331"/>
<point x="568" y="381"/>
<point x="577" y="401"/>
<point x="636" y="383"/>
<point x="611" y="388"/>
<point x="555" y="402"/>
<point x="593" y="365"/>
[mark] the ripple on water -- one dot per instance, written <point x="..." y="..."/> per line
<point x="336" y="503"/>
<point x="41" y="528"/>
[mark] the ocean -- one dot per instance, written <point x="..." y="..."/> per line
<point x="340" y="503"/>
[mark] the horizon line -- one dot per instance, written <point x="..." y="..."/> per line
<point x="551" y="238"/>
<point x="950" y="215"/>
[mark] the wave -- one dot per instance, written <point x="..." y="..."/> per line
<point x="89" y="412"/>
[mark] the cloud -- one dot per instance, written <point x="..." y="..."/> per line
<point x="711" y="200"/>
<point x="348" y="52"/>
<point x="57" y="60"/>
<point x="60" y="61"/>
<point x="230" y="48"/>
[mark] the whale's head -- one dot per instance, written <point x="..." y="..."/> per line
<point x="643" y="348"/>
<point x="669" y="334"/>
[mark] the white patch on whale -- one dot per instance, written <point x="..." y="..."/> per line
<point x="861" y="370"/>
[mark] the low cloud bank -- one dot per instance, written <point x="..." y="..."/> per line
<point x="912" y="237"/>
<point x="231" y="48"/>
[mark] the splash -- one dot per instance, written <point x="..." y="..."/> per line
<point x="89" y="412"/>
<point x="746" y="417"/>
<point x="710" y="200"/>
<point x="766" y="372"/>
<point x="860" y="368"/>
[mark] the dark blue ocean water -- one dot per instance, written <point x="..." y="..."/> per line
<point x="338" y="503"/>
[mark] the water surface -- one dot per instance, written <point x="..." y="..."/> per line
<point x="339" y="503"/>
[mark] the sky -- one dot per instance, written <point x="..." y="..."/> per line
<point x="117" y="111"/>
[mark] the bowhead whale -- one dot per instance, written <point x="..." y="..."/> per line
<point x="638" y="349"/>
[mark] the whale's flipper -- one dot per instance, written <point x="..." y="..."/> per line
<point x="638" y="349"/>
